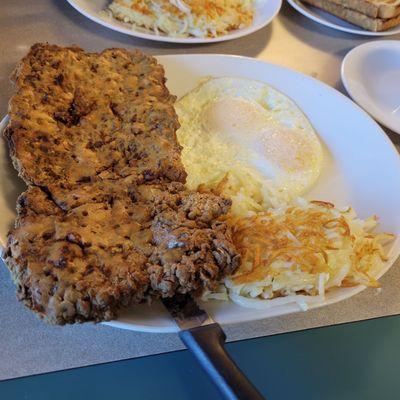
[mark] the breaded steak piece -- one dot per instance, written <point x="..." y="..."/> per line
<point x="80" y="117"/>
<point x="86" y="263"/>
<point x="106" y="221"/>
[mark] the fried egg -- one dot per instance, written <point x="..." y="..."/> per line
<point x="251" y="131"/>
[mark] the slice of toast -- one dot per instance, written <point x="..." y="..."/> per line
<point x="373" y="8"/>
<point x="355" y="17"/>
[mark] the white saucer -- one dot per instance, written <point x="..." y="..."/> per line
<point x="371" y="76"/>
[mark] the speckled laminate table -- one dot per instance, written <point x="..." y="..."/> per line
<point x="27" y="345"/>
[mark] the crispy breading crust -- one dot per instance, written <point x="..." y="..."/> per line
<point x="86" y="263"/>
<point x="106" y="221"/>
<point x="75" y="117"/>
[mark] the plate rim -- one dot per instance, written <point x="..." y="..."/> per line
<point x="358" y="98"/>
<point x="302" y="9"/>
<point x="167" y="39"/>
<point x="396" y="245"/>
<point x="292" y="70"/>
<point x="353" y="291"/>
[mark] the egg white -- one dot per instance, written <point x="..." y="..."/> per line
<point x="248" y="128"/>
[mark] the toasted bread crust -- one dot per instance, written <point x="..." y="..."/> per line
<point x="355" y="17"/>
<point x="372" y="8"/>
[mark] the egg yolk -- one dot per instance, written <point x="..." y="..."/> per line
<point x="253" y="127"/>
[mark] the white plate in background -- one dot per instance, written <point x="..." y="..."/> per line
<point x="330" y="20"/>
<point x="371" y="75"/>
<point x="361" y="168"/>
<point x="265" y="12"/>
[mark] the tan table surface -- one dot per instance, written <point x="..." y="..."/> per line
<point x="29" y="346"/>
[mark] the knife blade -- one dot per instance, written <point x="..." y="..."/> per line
<point x="205" y="339"/>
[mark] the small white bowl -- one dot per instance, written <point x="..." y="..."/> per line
<point x="371" y="76"/>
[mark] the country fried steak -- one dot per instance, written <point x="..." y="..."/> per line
<point x="85" y="263"/>
<point x="106" y="221"/>
<point x="79" y="117"/>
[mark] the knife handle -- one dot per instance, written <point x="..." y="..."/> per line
<point x="207" y="345"/>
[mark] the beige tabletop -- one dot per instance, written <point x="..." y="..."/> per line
<point x="29" y="346"/>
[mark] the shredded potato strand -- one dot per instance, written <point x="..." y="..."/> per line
<point x="300" y="252"/>
<point x="306" y="246"/>
<point x="178" y="18"/>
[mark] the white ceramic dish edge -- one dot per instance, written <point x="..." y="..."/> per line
<point x="367" y="104"/>
<point x="345" y="293"/>
<point x="395" y="248"/>
<point x="260" y="22"/>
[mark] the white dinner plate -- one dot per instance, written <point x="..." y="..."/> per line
<point x="330" y="20"/>
<point x="371" y="76"/>
<point x="361" y="168"/>
<point x="265" y="12"/>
